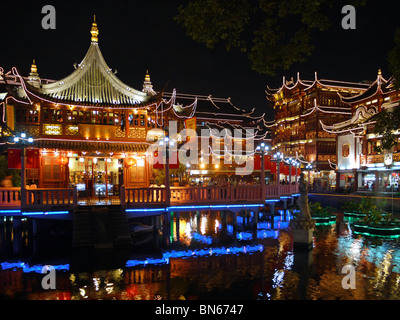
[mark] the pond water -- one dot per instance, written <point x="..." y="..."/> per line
<point x="209" y="256"/>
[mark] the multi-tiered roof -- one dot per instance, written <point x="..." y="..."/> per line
<point x="93" y="83"/>
<point x="366" y="106"/>
<point x="307" y="85"/>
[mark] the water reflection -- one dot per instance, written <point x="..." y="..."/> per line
<point x="210" y="255"/>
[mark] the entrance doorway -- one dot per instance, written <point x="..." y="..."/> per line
<point x="97" y="179"/>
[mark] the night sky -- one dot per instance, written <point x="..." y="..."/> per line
<point x="139" y="35"/>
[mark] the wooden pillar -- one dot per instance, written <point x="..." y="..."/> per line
<point x="376" y="184"/>
<point x="106" y="182"/>
<point x="17" y="234"/>
<point x="224" y="224"/>
<point x="23" y="178"/>
<point x="166" y="228"/>
<point x="247" y="214"/>
<point x="272" y="214"/>
<point x="284" y="208"/>
<point x="177" y="225"/>
<point x="198" y="221"/>
<point x="337" y="181"/>
<point x="234" y="223"/>
<point x="255" y="218"/>
<point x="75" y="197"/>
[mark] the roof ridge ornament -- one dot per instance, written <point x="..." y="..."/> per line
<point x="94" y="31"/>
<point x="34" y="78"/>
<point x="147" y="76"/>
<point x="147" y="85"/>
<point x="34" y="69"/>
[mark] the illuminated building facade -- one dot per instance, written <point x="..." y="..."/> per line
<point x="93" y="131"/>
<point x="360" y="166"/>
<point x="299" y="108"/>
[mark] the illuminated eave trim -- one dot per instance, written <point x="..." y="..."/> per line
<point x="30" y="93"/>
<point x="378" y="81"/>
<point x="316" y="82"/>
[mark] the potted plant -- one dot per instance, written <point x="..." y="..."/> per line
<point x="378" y="223"/>
<point x="321" y="215"/>
<point x="354" y="210"/>
<point x="351" y="209"/>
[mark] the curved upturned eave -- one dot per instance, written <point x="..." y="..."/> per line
<point x="118" y="92"/>
<point x="35" y="96"/>
<point x="370" y="93"/>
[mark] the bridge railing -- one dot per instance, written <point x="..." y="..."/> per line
<point x="199" y="195"/>
<point x="143" y="196"/>
<point x="42" y="198"/>
<point x="10" y="197"/>
<point x="215" y="194"/>
<point x="131" y="197"/>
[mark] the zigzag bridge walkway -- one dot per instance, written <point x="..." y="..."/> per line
<point x="142" y="201"/>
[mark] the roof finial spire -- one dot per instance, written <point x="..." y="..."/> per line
<point x="147" y="77"/>
<point x="94" y="31"/>
<point x="33" y="78"/>
<point x="379" y="72"/>
<point x="147" y="86"/>
<point x="34" y="68"/>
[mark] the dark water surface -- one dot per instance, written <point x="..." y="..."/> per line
<point x="209" y="256"/>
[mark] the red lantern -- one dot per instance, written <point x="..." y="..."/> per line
<point x="63" y="160"/>
<point x="131" y="162"/>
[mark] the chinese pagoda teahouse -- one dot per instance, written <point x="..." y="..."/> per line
<point x="87" y="126"/>
<point x="91" y="131"/>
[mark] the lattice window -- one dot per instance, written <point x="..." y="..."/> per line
<point x="119" y="133"/>
<point x="137" y="133"/>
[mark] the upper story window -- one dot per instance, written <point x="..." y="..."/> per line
<point x="52" y="115"/>
<point x="137" y="119"/>
<point x="27" y="116"/>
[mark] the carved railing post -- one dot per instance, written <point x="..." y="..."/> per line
<point x="122" y="196"/>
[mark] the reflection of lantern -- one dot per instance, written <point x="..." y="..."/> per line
<point x="63" y="160"/>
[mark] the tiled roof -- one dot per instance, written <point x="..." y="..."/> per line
<point x="93" y="82"/>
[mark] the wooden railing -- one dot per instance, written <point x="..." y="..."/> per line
<point x="39" y="198"/>
<point x="10" y="197"/>
<point x="215" y="194"/>
<point x="206" y="195"/>
<point x="142" y="196"/>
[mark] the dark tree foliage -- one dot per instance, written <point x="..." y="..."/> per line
<point x="274" y="34"/>
<point x="394" y="59"/>
<point x="388" y="121"/>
